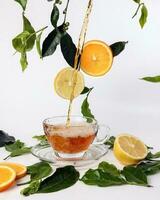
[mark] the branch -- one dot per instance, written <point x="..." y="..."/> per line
<point x="65" y="11"/>
<point x="139" y="5"/>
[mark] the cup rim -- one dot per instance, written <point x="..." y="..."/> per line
<point x="94" y="121"/>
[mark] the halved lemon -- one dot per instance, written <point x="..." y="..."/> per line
<point x="20" y="169"/>
<point x="129" y="149"/>
<point x="96" y="58"/>
<point x="69" y="83"/>
<point x="7" y="177"/>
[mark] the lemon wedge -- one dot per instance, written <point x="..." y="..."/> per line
<point x="129" y="149"/>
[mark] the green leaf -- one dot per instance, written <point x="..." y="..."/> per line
<point x="85" y="90"/>
<point x="110" y="142"/>
<point x="23" y="3"/>
<point x="137" y="1"/>
<point x="135" y="176"/>
<point x="102" y="179"/>
<point x="23" y="61"/>
<point x="51" y="42"/>
<point x="5" y="139"/>
<point x="31" y="189"/>
<point x="85" y="110"/>
<point x="63" y="178"/>
<point x="19" y="152"/>
<point x="154" y="79"/>
<point x="17" y="145"/>
<point x="143" y="17"/>
<point x="30" y="41"/>
<point x="39" y="170"/>
<point x="118" y="47"/>
<point x="41" y="138"/>
<point x="68" y="49"/>
<point x="19" y="42"/>
<point x="153" y="156"/>
<point x="150" y="167"/>
<point x="109" y="168"/>
<point x="38" y="44"/>
<point x="18" y="148"/>
<point x="54" y="16"/>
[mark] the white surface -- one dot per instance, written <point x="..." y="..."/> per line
<point x="119" y="99"/>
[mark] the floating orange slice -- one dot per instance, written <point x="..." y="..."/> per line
<point x="7" y="178"/>
<point x="19" y="169"/>
<point x="97" y="58"/>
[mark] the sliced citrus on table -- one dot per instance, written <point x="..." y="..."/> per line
<point x="7" y="178"/>
<point x="129" y="149"/>
<point x="20" y="169"/>
<point x="97" y="58"/>
<point x="69" y="82"/>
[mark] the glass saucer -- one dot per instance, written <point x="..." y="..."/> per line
<point x="46" y="153"/>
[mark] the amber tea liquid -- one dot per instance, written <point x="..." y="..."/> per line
<point x="71" y="139"/>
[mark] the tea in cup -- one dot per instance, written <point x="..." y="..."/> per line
<point x="71" y="142"/>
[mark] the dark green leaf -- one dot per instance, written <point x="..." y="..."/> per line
<point x="68" y="49"/>
<point x="137" y="1"/>
<point x="148" y="147"/>
<point x="50" y="43"/>
<point x="31" y="189"/>
<point x="85" y="90"/>
<point x="38" y="44"/>
<point x="110" y="142"/>
<point x="102" y="179"/>
<point x="143" y="17"/>
<point x="23" y="3"/>
<point x="39" y="170"/>
<point x="23" y="61"/>
<point x="63" y="178"/>
<point x="150" y="167"/>
<point x="17" y="145"/>
<point x="54" y="16"/>
<point x="85" y="110"/>
<point x="118" y="47"/>
<point x="154" y="79"/>
<point x="109" y="168"/>
<point x="5" y="139"/>
<point x="19" y="152"/>
<point x="135" y="176"/>
<point x="32" y="37"/>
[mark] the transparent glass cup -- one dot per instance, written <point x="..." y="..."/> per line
<point x="71" y="142"/>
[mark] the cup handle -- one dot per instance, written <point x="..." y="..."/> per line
<point x="102" y="134"/>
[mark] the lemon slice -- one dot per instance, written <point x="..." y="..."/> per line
<point x="69" y="82"/>
<point x="129" y="149"/>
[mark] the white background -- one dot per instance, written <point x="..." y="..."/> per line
<point x="120" y="99"/>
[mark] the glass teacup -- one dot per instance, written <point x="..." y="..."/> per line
<point x="71" y="142"/>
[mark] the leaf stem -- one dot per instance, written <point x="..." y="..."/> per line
<point x="65" y="11"/>
<point x="19" y="184"/>
<point x="40" y="30"/>
<point x="6" y="157"/>
<point x="139" y="5"/>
